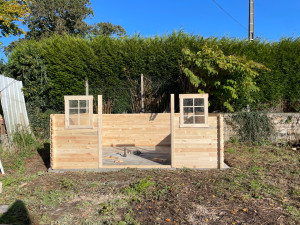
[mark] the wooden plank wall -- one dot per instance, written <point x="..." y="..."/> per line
<point x="73" y="148"/>
<point x="196" y="147"/>
<point x="78" y="148"/>
<point x="193" y="147"/>
<point x="136" y="129"/>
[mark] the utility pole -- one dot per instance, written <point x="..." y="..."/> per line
<point x="251" y="20"/>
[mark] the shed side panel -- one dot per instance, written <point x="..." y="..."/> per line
<point x="196" y="147"/>
<point x="73" y="148"/>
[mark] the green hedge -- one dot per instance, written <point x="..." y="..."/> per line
<point x="57" y="66"/>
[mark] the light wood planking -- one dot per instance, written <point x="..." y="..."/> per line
<point x="136" y="129"/>
<point x="201" y="147"/>
<point x="137" y="166"/>
<point x="196" y="147"/>
<point x="172" y="130"/>
<point x="221" y="142"/>
<point x="73" y="148"/>
<point x="99" y="131"/>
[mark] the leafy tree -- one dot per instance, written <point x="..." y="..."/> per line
<point x="227" y="79"/>
<point x="12" y="11"/>
<point x="2" y="67"/>
<point x="107" y="29"/>
<point x="50" y="17"/>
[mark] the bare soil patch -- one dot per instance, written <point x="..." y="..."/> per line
<point x="261" y="187"/>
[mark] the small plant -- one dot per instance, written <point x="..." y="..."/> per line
<point x="53" y="197"/>
<point x="66" y="183"/>
<point x="256" y="169"/>
<point x="231" y="150"/>
<point x="107" y="209"/>
<point x="161" y="191"/>
<point x="139" y="187"/>
<point x="234" y="140"/>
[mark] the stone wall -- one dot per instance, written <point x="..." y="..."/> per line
<point x="287" y="126"/>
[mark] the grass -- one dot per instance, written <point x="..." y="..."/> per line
<point x="262" y="186"/>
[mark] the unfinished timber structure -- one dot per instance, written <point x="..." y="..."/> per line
<point x="81" y="139"/>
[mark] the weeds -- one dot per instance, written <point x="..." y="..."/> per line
<point x="66" y="183"/>
<point x="23" y="145"/>
<point x="139" y="187"/>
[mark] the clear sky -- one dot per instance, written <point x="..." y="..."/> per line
<point x="273" y="18"/>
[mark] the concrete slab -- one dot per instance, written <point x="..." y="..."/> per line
<point x="134" y="156"/>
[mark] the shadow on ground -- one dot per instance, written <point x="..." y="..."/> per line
<point x="16" y="214"/>
<point x="45" y="154"/>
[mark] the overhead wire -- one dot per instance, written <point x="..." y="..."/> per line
<point x="228" y="14"/>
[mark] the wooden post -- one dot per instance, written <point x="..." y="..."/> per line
<point x="172" y="131"/>
<point x="220" y="142"/>
<point x="86" y="86"/>
<point x="51" y="142"/>
<point x="100" y="131"/>
<point x="142" y="94"/>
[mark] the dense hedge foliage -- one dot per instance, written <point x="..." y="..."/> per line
<point x="57" y="66"/>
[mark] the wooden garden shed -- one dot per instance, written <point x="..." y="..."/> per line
<point x="192" y="138"/>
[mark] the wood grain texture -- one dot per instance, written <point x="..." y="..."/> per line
<point x="196" y="147"/>
<point x="136" y="129"/>
<point x="99" y="131"/>
<point x="73" y="148"/>
<point x="172" y="116"/>
<point x="201" y="147"/>
<point x="220" y="142"/>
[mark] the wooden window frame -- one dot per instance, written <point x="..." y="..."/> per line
<point x="193" y="96"/>
<point x="67" y="111"/>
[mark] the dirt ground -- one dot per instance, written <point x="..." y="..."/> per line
<point x="261" y="187"/>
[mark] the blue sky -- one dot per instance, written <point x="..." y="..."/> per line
<point x="273" y="19"/>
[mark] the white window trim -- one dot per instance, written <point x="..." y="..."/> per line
<point x="67" y="111"/>
<point x="184" y="96"/>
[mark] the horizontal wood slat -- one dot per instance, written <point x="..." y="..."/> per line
<point x="78" y="148"/>
<point x="196" y="147"/>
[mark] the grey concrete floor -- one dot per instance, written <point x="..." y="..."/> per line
<point x="148" y="156"/>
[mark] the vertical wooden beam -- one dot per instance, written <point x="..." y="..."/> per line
<point x="220" y="142"/>
<point x="142" y="94"/>
<point x="172" y="130"/>
<point x="51" y="142"/>
<point x="66" y="112"/>
<point x="100" y="131"/>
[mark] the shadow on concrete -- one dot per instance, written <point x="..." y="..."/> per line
<point x="16" y="214"/>
<point x="45" y="154"/>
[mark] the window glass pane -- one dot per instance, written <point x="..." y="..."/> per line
<point x="73" y="111"/>
<point x="199" y="102"/>
<point x="187" y="102"/>
<point x="188" y="111"/>
<point x="199" y="119"/>
<point x="188" y="119"/>
<point x="199" y="111"/>
<point x="83" y="110"/>
<point x="83" y="103"/>
<point x="73" y="103"/>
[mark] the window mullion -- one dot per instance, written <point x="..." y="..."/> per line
<point x="194" y="119"/>
<point x="78" y="111"/>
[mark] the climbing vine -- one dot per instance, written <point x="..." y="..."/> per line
<point x="252" y="127"/>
